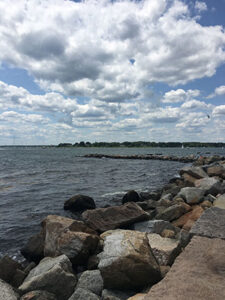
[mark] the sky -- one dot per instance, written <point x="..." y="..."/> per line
<point x="101" y="70"/>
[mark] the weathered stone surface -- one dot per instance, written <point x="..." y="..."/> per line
<point x="188" y="179"/>
<point x="192" y="195"/>
<point x="147" y="204"/>
<point x="217" y="170"/>
<point x="139" y="296"/>
<point x="8" y="267"/>
<point x="92" y="281"/>
<point x="150" y="195"/>
<point x="127" y="261"/>
<point x="173" y="212"/>
<point x="131" y="196"/>
<point x="196" y="172"/>
<point x="53" y="275"/>
<point x="82" y="294"/>
<point x="217" y="188"/>
<point x="93" y="262"/>
<point x="79" y="203"/>
<point x="192" y="216"/>
<point x="211" y="224"/>
<point x="154" y="226"/>
<point x="115" y="295"/>
<point x="59" y="239"/>
<point x="206" y="204"/>
<point x="165" y="250"/>
<point x="164" y="270"/>
<point x="103" y="219"/>
<point x="7" y="292"/>
<point x="206" y="183"/>
<point x="38" y="295"/>
<point x="198" y="273"/>
<point x="18" y="278"/>
<point x="34" y="248"/>
<point x="220" y="202"/>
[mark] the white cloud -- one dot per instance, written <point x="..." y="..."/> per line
<point x="84" y="48"/>
<point x="176" y="96"/>
<point x="200" y="6"/>
<point x="219" y="91"/>
<point x="219" y="110"/>
<point x="195" y="104"/>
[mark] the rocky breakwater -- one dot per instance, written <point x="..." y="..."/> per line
<point x="165" y="244"/>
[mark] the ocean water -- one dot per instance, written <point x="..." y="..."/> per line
<point x="35" y="182"/>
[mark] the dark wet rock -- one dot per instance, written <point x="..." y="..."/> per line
<point x="34" y="248"/>
<point x="79" y="203"/>
<point x="184" y="237"/>
<point x="127" y="261"/>
<point x="18" y="278"/>
<point x="7" y="292"/>
<point x="220" y="202"/>
<point x="211" y="224"/>
<point x="197" y="273"/>
<point x="92" y="281"/>
<point x="165" y="250"/>
<point x="173" y="191"/>
<point x="147" y="204"/>
<point x="29" y="267"/>
<point x="131" y="196"/>
<point x="103" y="219"/>
<point x="155" y="226"/>
<point x="93" y="262"/>
<point x="150" y="195"/>
<point x="173" y="212"/>
<point x="82" y="294"/>
<point x="8" y="267"/>
<point x="192" y="195"/>
<point x="53" y="275"/>
<point x="38" y="295"/>
<point x="217" y="188"/>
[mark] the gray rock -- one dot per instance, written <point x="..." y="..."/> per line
<point x="38" y="295"/>
<point x="8" y="267"/>
<point x="210" y="198"/>
<point x="206" y="183"/>
<point x="53" y="275"/>
<point x="103" y="219"/>
<point x="192" y="195"/>
<point x="127" y="261"/>
<point x="7" y="292"/>
<point x="217" y="188"/>
<point x="211" y="224"/>
<point x="165" y="250"/>
<point x="116" y="294"/>
<point x="155" y="226"/>
<point x="172" y="213"/>
<point x="147" y="204"/>
<point x="196" y="172"/>
<point x="92" y="281"/>
<point x="197" y="273"/>
<point x="34" y="248"/>
<point x="82" y="294"/>
<point x="220" y="202"/>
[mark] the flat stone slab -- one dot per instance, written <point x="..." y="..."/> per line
<point x="197" y="274"/>
<point x="211" y="224"/>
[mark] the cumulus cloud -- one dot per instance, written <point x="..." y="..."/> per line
<point x="108" y="50"/>
<point x="176" y="96"/>
<point x="195" y="104"/>
<point x="219" y="91"/>
<point x="200" y="6"/>
<point x="219" y="110"/>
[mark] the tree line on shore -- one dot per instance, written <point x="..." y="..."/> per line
<point x="142" y="144"/>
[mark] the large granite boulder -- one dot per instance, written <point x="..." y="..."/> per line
<point x="53" y="275"/>
<point x="62" y="236"/>
<point x="7" y="292"/>
<point x="91" y="281"/>
<point x="196" y="172"/>
<point x="127" y="261"/>
<point x="139" y="296"/>
<point x="38" y="295"/>
<point x="211" y="224"/>
<point x="155" y="226"/>
<point x="197" y="273"/>
<point x="131" y="196"/>
<point x="79" y="203"/>
<point x="192" y="195"/>
<point x="220" y="201"/>
<point x="187" y="220"/>
<point x="165" y="250"/>
<point x="82" y="294"/>
<point x="103" y="219"/>
<point x="206" y="183"/>
<point x="173" y="212"/>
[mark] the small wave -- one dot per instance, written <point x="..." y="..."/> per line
<point x="113" y="194"/>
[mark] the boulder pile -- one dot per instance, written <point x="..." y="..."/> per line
<point x="166" y="244"/>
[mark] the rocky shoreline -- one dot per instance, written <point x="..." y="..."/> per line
<point x="166" y="244"/>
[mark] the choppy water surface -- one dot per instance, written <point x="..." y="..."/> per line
<point x="35" y="182"/>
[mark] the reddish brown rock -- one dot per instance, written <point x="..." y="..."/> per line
<point x="103" y="219"/>
<point x="216" y="170"/>
<point x="198" y="273"/>
<point x="186" y="221"/>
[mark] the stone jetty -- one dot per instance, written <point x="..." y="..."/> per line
<point x="165" y="244"/>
